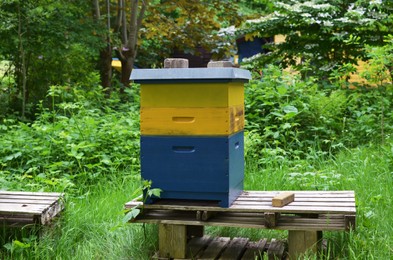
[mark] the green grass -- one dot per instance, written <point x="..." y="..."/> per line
<point x="92" y="228"/>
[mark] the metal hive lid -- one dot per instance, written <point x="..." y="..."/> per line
<point x="190" y="74"/>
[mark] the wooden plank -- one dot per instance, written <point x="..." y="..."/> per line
<point x="300" y="199"/>
<point x="17" y="219"/>
<point x="22" y="208"/>
<point x="323" y="193"/>
<point x="301" y="241"/>
<point x="256" y="204"/>
<point x="35" y="194"/>
<point x="350" y="222"/>
<point x="51" y="212"/>
<point x="279" y="226"/>
<point x="330" y="222"/>
<point x="172" y="240"/>
<point x="294" y="209"/>
<point x="208" y="214"/>
<point x="262" y="208"/>
<point x="235" y="249"/>
<point x="271" y="219"/>
<point x="196" y="245"/>
<point x="214" y="249"/>
<point x="275" y="250"/>
<point x="27" y="201"/>
<point x="283" y="199"/>
<point x="255" y="250"/>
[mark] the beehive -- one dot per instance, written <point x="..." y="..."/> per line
<point x="192" y="123"/>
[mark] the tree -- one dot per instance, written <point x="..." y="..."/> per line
<point x="187" y="26"/>
<point x="105" y="58"/>
<point x="155" y="28"/>
<point x="128" y="31"/>
<point x="48" y="42"/>
<point x="323" y="34"/>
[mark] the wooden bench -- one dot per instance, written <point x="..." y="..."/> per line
<point x="305" y="218"/>
<point x="29" y="208"/>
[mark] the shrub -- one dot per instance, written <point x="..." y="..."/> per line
<point x="294" y="116"/>
<point x="83" y="136"/>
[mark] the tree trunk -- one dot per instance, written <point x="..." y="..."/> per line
<point x="105" y="62"/>
<point x="105" y="67"/>
<point x="127" y="63"/>
<point x="128" y="51"/>
<point x="22" y="64"/>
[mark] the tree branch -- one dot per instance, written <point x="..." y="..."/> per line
<point x="96" y="10"/>
<point x="133" y="26"/>
<point x="142" y="13"/>
<point x="118" y="17"/>
<point x="124" y="37"/>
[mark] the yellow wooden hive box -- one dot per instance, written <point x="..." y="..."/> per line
<point x="192" y="121"/>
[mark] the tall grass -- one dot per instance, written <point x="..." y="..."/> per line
<point x="367" y="170"/>
<point x="91" y="227"/>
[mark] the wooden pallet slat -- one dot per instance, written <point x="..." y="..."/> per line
<point x="334" y="202"/>
<point x="197" y="245"/>
<point x="27" y="194"/>
<point x="255" y="250"/>
<point x="235" y="249"/>
<point x="275" y="250"/>
<point x="21" y="208"/>
<point x="214" y="249"/>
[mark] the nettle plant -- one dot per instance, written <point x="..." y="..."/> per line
<point x="292" y="114"/>
<point x="147" y="193"/>
<point x="379" y="73"/>
<point x="82" y="137"/>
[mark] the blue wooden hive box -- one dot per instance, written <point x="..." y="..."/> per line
<point x="184" y="150"/>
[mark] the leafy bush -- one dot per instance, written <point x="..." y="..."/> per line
<point x="7" y="92"/>
<point x="291" y="114"/>
<point x="291" y="117"/>
<point x="83" y="136"/>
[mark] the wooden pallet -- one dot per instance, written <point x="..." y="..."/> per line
<point x="311" y="210"/>
<point x="26" y="208"/>
<point x="207" y="247"/>
<point x="305" y="218"/>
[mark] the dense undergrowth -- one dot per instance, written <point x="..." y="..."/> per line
<point x="298" y="136"/>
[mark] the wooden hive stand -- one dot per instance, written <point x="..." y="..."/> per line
<point x="181" y="223"/>
<point x="18" y="209"/>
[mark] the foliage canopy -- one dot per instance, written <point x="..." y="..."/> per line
<point x="322" y="34"/>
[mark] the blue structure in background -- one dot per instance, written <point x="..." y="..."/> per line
<point x="246" y="49"/>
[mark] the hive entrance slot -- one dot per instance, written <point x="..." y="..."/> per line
<point x="183" y="119"/>
<point x="183" y="149"/>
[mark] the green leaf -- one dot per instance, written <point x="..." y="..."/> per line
<point x="154" y="192"/>
<point x="286" y="126"/>
<point x="12" y="156"/>
<point x="133" y="213"/>
<point x="18" y="245"/>
<point x="8" y="246"/>
<point x="290" y="109"/>
<point x="282" y="90"/>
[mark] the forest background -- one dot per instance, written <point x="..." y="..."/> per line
<point x="70" y="123"/>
